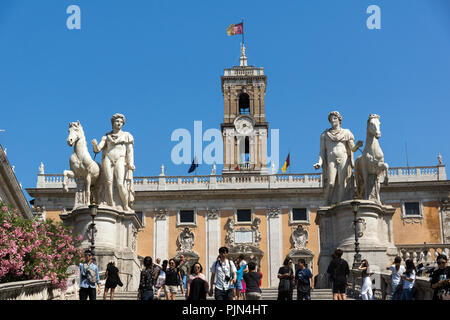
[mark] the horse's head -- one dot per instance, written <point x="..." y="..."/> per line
<point x="75" y="133"/>
<point x="373" y="125"/>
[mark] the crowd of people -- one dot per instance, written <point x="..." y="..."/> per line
<point x="241" y="280"/>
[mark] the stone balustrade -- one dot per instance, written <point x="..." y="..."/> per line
<point x="382" y="287"/>
<point x="248" y="71"/>
<point x="271" y="181"/>
<point x="423" y="253"/>
<point x="43" y="289"/>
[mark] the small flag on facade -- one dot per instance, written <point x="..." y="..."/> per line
<point x="235" y="29"/>
<point x="194" y="165"/>
<point x="286" y="164"/>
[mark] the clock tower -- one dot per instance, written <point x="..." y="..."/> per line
<point x="244" y="127"/>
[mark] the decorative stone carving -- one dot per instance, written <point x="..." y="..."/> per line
<point x="185" y="240"/>
<point x="134" y="238"/>
<point x="273" y="212"/>
<point x="370" y="165"/>
<point x="229" y="238"/>
<point x="162" y="171"/>
<point x="439" y="159"/>
<point x="161" y="214"/>
<point x="243" y="233"/>
<point x="83" y="169"/>
<point x="299" y="237"/>
<point x="41" y="168"/>
<point x="213" y="171"/>
<point x="38" y="212"/>
<point x="336" y="159"/>
<point x="117" y="165"/>
<point x="212" y="213"/>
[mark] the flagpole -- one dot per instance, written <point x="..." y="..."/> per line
<point x="243" y="39"/>
<point x="289" y="153"/>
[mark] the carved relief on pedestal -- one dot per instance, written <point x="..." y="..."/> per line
<point x="134" y="235"/>
<point x="445" y="209"/>
<point x="185" y="240"/>
<point x="38" y="212"/>
<point x="161" y="214"/>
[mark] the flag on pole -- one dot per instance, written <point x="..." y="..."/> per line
<point x="234" y="29"/>
<point x="194" y="165"/>
<point x="286" y="163"/>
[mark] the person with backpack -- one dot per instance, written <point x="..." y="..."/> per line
<point x="147" y="280"/>
<point x="223" y="275"/>
<point x="252" y="279"/>
<point x="197" y="286"/>
<point x="302" y="277"/>
<point x="89" y="277"/>
<point x="396" y="278"/>
<point x="338" y="270"/>
<point x="112" y="279"/>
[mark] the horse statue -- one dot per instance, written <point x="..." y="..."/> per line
<point x="370" y="165"/>
<point x="83" y="169"/>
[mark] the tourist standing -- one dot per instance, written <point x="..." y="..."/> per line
<point x="339" y="271"/>
<point x="366" y="289"/>
<point x="173" y="280"/>
<point x="396" y="278"/>
<point x="197" y="285"/>
<point x="286" y="276"/>
<point x="302" y="277"/>
<point x="409" y="278"/>
<point x="440" y="279"/>
<point x="147" y="280"/>
<point x="252" y="280"/>
<point x="112" y="279"/>
<point x="223" y="275"/>
<point x="89" y="277"/>
<point x="161" y="279"/>
<point x="184" y="270"/>
<point x="239" y="277"/>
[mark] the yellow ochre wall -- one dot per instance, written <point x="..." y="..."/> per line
<point x="427" y="230"/>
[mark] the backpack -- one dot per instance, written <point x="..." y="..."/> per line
<point x="340" y="272"/>
<point x="91" y="274"/>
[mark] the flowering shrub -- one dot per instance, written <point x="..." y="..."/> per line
<point x="31" y="249"/>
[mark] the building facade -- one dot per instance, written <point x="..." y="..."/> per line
<point x="254" y="211"/>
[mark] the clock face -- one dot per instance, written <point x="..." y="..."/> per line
<point x="244" y="125"/>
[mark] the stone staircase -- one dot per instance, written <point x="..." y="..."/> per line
<point x="267" y="294"/>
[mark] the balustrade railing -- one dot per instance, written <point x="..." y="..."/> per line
<point x="423" y="253"/>
<point x="239" y="180"/>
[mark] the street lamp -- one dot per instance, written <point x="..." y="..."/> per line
<point x="357" y="223"/>
<point x="93" y="212"/>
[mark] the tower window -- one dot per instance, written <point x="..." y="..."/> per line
<point x="244" y="104"/>
<point x="187" y="216"/>
<point x="299" y="214"/>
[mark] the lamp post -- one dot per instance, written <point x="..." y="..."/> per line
<point x="358" y="233"/>
<point x="93" y="212"/>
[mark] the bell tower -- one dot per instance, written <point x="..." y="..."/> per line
<point x="244" y="128"/>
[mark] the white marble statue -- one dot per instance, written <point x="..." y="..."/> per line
<point x="83" y="169"/>
<point x="336" y="159"/>
<point x="41" y="168"/>
<point x="185" y="240"/>
<point x="370" y="165"/>
<point x="299" y="237"/>
<point x="117" y="149"/>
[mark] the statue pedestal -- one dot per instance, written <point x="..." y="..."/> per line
<point x="337" y="231"/>
<point x="115" y="239"/>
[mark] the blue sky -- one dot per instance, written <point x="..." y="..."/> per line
<point x="160" y="62"/>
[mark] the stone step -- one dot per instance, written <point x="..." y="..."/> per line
<point x="267" y="294"/>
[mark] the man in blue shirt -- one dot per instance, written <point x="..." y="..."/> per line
<point x="87" y="286"/>
<point x="302" y="275"/>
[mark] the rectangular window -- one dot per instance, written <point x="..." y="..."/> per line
<point x="244" y="215"/>
<point x="187" y="216"/>
<point x="140" y="216"/>
<point x="299" y="214"/>
<point x="412" y="209"/>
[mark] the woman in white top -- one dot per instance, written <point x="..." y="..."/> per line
<point x="397" y="270"/>
<point x="366" y="290"/>
<point x="161" y="280"/>
<point x="409" y="278"/>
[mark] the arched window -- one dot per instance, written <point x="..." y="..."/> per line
<point x="244" y="103"/>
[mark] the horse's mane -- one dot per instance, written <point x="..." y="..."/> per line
<point x="373" y="116"/>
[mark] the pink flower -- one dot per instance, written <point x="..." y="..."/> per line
<point x="5" y="208"/>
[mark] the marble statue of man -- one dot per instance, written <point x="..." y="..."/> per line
<point x="336" y="159"/>
<point x="117" y="162"/>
